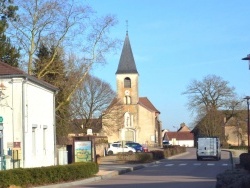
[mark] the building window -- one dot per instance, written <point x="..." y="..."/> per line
<point x="44" y="136"/>
<point x="127" y="82"/>
<point x="127" y="120"/>
<point x="131" y="121"/>
<point x="34" y="140"/>
<point x="127" y="100"/>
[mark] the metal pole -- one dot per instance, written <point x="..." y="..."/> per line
<point x="248" y="129"/>
<point x="238" y="124"/>
<point x="247" y="98"/>
<point x="1" y="149"/>
<point x="248" y="124"/>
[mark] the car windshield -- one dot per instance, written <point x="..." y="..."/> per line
<point x="133" y="144"/>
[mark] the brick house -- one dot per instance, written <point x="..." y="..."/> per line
<point x="182" y="137"/>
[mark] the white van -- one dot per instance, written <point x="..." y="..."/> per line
<point x="208" y="147"/>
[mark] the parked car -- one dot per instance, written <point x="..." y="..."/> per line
<point x="138" y="147"/>
<point x="165" y="143"/>
<point x="116" y="147"/>
<point x="145" y="148"/>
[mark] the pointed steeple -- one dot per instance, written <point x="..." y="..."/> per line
<point x="127" y="62"/>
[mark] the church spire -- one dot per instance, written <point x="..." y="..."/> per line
<point x="127" y="62"/>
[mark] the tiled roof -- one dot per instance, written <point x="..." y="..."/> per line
<point x="179" y="135"/>
<point x="96" y="125"/>
<point x="183" y="128"/>
<point x="143" y="101"/>
<point x="7" y="71"/>
<point x="127" y="62"/>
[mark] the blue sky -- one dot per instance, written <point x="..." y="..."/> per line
<point x="175" y="42"/>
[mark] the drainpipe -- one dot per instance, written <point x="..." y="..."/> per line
<point x="12" y="109"/>
<point x="23" y="118"/>
<point x="54" y="127"/>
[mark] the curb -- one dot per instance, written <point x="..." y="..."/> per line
<point x="109" y="174"/>
<point x="106" y="175"/>
<point x="231" y="157"/>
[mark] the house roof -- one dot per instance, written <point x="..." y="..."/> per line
<point x="7" y="71"/>
<point x="95" y="125"/>
<point x="179" y="136"/>
<point x="127" y="62"/>
<point x="183" y="128"/>
<point x="144" y="101"/>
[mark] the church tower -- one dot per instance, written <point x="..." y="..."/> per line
<point x="131" y="117"/>
<point x="127" y="75"/>
<point x="127" y="90"/>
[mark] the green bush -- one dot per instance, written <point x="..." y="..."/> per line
<point x="136" y="157"/>
<point x="144" y="157"/>
<point x="125" y="156"/>
<point x="27" y="177"/>
<point x="157" y="154"/>
<point x="152" y="155"/>
<point x="238" y="147"/>
<point x="173" y="150"/>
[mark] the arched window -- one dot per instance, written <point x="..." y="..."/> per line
<point x="127" y="82"/>
<point x="126" y="119"/>
<point x="127" y="100"/>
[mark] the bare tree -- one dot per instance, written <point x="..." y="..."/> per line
<point x="45" y="19"/>
<point x="91" y="99"/>
<point x="63" y="24"/>
<point x="210" y="93"/>
<point x="215" y="103"/>
<point x="113" y="118"/>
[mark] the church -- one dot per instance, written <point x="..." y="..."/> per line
<point x="131" y="117"/>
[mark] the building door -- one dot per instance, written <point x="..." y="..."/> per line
<point x="130" y="135"/>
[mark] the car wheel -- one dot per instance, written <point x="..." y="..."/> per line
<point x="130" y="152"/>
<point x="199" y="158"/>
<point x="110" y="152"/>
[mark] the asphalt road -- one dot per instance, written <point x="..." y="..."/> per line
<point x="180" y="172"/>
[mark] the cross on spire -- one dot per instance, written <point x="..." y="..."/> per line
<point x="127" y="26"/>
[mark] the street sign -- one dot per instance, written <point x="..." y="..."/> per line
<point x="1" y="119"/>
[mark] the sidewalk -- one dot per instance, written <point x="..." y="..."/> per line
<point x="236" y="155"/>
<point x="108" y="168"/>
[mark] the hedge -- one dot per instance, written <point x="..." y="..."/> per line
<point x="28" y="177"/>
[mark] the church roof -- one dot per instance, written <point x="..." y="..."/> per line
<point x="127" y="62"/>
<point x="145" y="102"/>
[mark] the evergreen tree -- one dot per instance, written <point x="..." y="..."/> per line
<point x="8" y="53"/>
<point x="55" y="75"/>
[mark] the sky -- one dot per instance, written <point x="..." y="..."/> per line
<point x="175" y="42"/>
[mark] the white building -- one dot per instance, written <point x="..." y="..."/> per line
<point x="27" y="107"/>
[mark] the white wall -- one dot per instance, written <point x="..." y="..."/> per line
<point x="28" y="105"/>
<point x="186" y="143"/>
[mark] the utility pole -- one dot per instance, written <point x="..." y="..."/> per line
<point x="248" y="124"/>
